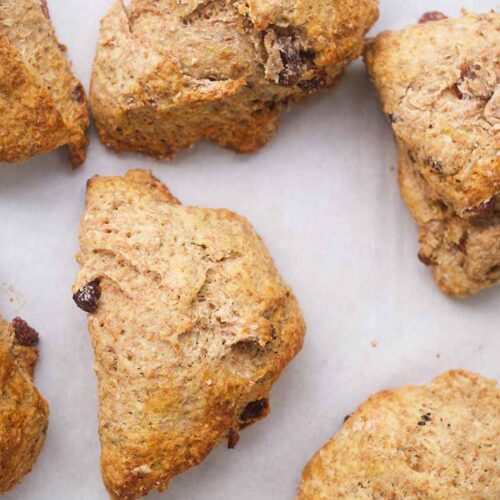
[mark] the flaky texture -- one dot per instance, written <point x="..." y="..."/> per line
<point x="23" y="412"/>
<point x="191" y="325"/>
<point x="439" y="84"/>
<point x="42" y="105"/>
<point x="169" y="73"/>
<point x="434" y="442"/>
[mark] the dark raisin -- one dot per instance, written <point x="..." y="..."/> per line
<point x="255" y="409"/>
<point x="78" y="94"/>
<point x="469" y="71"/>
<point x="45" y="8"/>
<point x="289" y="49"/>
<point x="25" y="335"/>
<point x="315" y="83"/>
<point x="432" y="16"/>
<point x="482" y="209"/>
<point x="462" y="242"/>
<point x="232" y="439"/>
<point x="86" y="298"/>
<point x="391" y="117"/>
<point x="456" y="90"/>
<point x="425" y="259"/>
<point x="346" y="418"/>
<point x="435" y="165"/>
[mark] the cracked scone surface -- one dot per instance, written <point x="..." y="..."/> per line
<point x="23" y="412"/>
<point x="42" y="105"/>
<point x="439" y="84"/>
<point x="191" y="325"/>
<point x="428" y="442"/>
<point x="169" y="73"/>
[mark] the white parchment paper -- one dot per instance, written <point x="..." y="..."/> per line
<point x="323" y="195"/>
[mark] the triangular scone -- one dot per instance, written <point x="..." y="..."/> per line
<point x="190" y="323"/>
<point x="42" y="105"/>
<point x="169" y="73"/>
<point x="23" y="412"/>
<point x="433" y="442"/>
<point x="439" y="83"/>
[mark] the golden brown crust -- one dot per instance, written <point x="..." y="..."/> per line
<point x="23" y="412"/>
<point x="430" y="442"/>
<point x="439" y="84"/>
<point x="168" y="74"/>
<point x="191" y="327"/>
<point x="42" y="104"/>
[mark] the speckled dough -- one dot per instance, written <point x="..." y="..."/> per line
<point x="434" y="442"/>
<point x="169" y="73"/>
<point x="191" y="326"/>
<point x="439" y="84"/>
<point x="23" y="412"/>
<point x="42" y="105"/>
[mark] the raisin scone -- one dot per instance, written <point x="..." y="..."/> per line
<point x="169" y="73"/>
<point x="190" y="323"/>
<point x="23" y="412"/>
<point x="42" y="105"/>
<point x="438" y="82"/>
<point x="432" y="442"/>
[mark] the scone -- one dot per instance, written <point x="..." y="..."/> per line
<point x="433" y="442"/>
<point x="438" y="82"/>
<point x="190" y="323"/>
<point x="42" y="105"/>
<point x="23" y="412"/>
<point x="169" y="73"/>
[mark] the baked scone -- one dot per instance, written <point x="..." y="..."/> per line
<point x="23" y="412"/>
<point x="190" y="323"/>
<point x="433" y="442"/>
<point x="169" y="73"/>
<point x="438" y="82"/>
<point x="42" y="105"/>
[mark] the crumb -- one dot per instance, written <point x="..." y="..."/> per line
<point x="374" y="343"/>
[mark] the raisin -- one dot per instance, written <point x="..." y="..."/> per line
<point x="78" y="94"/>
<point x="25" y="335"/>
<point x="315" y="83"/>
<point x="482" y="209"/>
<point x="425" y="259"/>
<point x="289" y="49"/>
<point x="45" y="8"/>
<point x="435" y="165"/>
<point x="456" y="90"/>
<point x="432" y="16"/>
<point x="255" y="409"/>
<point x="232" y="439"/>
<point x="346" y="418"/>
<point x="426" y="417"/>
<point x="462" y="242"/>
<point x="86" y="298"/>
